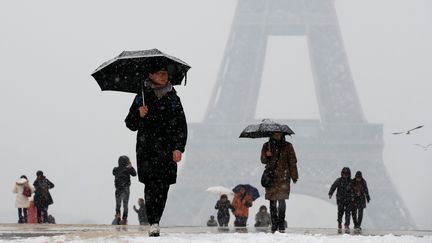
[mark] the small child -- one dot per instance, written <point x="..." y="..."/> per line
<point x="361" y="196"/>
<point x="212" y="222"/>
<point x="223" y="205"/>
<point x="344" y="198"/>
<point x="142" y="212"/>
<point x="122" y="183"/>
<point x="262" y="218"/>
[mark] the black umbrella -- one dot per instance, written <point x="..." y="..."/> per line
<point x="265" y="129"/>
<point x="128" y="71"/>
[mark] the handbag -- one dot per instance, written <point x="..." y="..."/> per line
<point x="267" y="178"/>
<point x="27" y="191"/>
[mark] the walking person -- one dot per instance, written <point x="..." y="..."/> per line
<point x="142" y="212"/>
<point x="161" y="139"/>
<point x="361" y="196"/>
<point x="122" y="183"/>
<point x="23" y="190"/>
<point x="240" y="206"/>
<point x="223" y="205"/>
<point x="279" y="156"/>
<point x="344" y="197"/>
<point x="42" y="197"/>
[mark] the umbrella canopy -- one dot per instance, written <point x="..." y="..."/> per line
<point x="127" y="71"/>
<point x="265" y="129"/>
<point x="252" y="191"/>
<point x="219" y="190"/>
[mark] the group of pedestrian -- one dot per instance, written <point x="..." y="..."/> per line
<point x="262" y="217"/>
<point x="351" y="198"/>
<point x="33" y="196"/>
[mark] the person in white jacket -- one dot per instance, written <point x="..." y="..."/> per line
<point x="22" y="187"/>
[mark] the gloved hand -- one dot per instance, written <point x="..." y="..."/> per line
<point x="330" y="196"/>
<point x="294" y="181"/>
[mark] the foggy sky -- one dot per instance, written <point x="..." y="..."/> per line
<point x="55" y="118"/>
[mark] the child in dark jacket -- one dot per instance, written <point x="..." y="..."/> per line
<point x="223" y="205"/>
<point x="122" y="182"/>
<point x="344" y="197"/>
<point x="142" y="212"/>
<point x="361" y="196"/>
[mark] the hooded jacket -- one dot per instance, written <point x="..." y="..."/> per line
<point x="360" y="191"/>
<point x="344" y="187"/>
<point x="21" y="200"/>
<point x="123" y="172"/>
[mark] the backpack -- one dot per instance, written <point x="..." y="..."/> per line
<point x="27" y="191"/>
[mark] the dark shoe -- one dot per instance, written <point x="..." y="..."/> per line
<point x="116" y="220"/>
<point x="274" y="228"/>
<point x="124" y="222"/>
<point x="282" y="228"/>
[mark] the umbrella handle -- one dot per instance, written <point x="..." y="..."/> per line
<point x="142" y="92"/>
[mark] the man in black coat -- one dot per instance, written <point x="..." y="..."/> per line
<point x="42" y="197"/>
<point x="344" y="197"/>
<point x="122" y="183"/>
<point x="161" y="140"/>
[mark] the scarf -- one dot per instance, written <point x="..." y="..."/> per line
<point x="159" y="91"/>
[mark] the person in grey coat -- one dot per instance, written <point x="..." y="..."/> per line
<point x="262" y="218"/>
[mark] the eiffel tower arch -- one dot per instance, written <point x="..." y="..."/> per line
<point x="341" y="137"/>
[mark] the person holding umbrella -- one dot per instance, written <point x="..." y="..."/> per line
<point x="162" y="132"/>
<point x="278" y="155"/>
<point x="156" y="113"/>
<point x="244" y="195"/>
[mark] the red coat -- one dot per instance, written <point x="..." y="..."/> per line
<point x="241" y="207"/>
<point x="32" y="213"/>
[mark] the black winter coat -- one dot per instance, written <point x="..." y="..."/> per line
<point x="223" y="208"/>
<point x="361" y="193"/>
<point x="344" y="194"/>
<point x="42" y="197"/>
<point x="160" y="132"/>
<point x="122" y="175"/>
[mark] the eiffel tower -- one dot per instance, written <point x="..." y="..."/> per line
<point x="341" y="137"/>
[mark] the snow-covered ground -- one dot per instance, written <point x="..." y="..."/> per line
<point x="135" y="233"/>
<point x="233" y="238"/>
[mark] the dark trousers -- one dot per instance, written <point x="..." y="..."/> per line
<point x="357" y="215"/>
<point x="240" y="221"/>
<point x="122" y="196"/>
<point x="344" y="208"/>
<point x="277" y="214"/>
<point x="156" y="195"/>
<point x="42" y="213"/>
<point x="223" y="220"/>
<point x="22" y="218"/>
